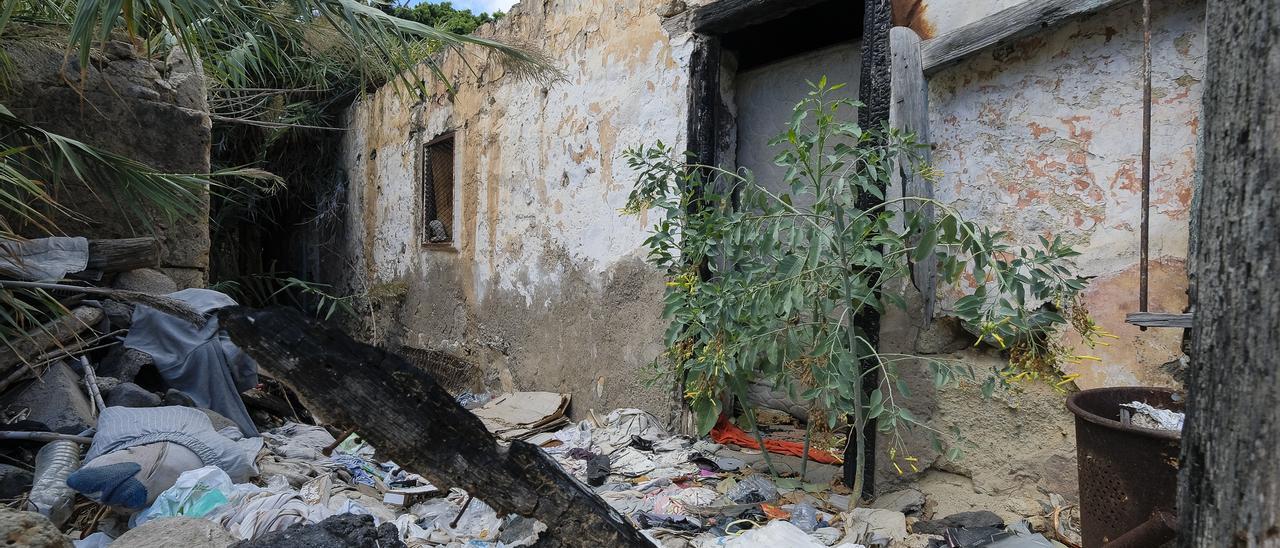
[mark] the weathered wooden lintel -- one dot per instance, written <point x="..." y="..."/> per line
<point x="1005" y="25"/>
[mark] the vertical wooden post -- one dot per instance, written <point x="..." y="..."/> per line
<point x="873" y="91"/>
<point x="909" y="113"/>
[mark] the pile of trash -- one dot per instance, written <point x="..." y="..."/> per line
<point x="133" y="420"/>
<point x="681" y="491"/>
<point x="134" y="416"/>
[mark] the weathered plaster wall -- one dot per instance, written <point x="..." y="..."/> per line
<point x="1043" y="137"/>
<point x="545" y="287"/>
<point x="120" y="105"/>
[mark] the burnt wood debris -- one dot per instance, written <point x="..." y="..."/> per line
<point x="410" y="418"/>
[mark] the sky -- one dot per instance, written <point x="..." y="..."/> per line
<point x="479" y="6"/>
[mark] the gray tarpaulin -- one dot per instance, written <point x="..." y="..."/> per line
<point x="201" y="361"/>
<point x="43" y="259"/>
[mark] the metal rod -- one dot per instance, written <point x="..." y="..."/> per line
<point x="454" y="524"/>
<point x="327" y="451"/>
<point x="1158" y="530"/>
<point x="91" y="383"/>
<point x="45" y="436"/>
<point x="1145" y="256"/>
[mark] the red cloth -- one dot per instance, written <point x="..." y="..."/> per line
<point x="726" y="432"/>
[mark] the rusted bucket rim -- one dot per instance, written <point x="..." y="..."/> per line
<point x="1078" y="411"/>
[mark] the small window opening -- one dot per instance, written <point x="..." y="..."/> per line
<point x="437" y="190"/>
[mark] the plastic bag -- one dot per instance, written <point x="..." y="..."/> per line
<point x="776" y="533"/>
<point x="196" y="493"/>
<point x="753" y="489"/>
<point x="805" y="517"/>
<point x="96" y="540"/>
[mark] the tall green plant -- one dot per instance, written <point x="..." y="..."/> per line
<point x="767" y="276"/>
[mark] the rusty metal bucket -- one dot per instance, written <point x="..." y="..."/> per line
<point x="1126" y="472"/>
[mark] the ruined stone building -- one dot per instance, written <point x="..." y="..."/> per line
<point x="117" y="104"/>
<point x="534" y="279"/>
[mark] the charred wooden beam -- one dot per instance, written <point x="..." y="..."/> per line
<point x="123" y="254"/>
<point x="875" y="94"/>
<point x="730" y="15"/>
<point x="403" y="412"/>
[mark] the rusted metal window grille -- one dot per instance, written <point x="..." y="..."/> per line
<point x="437" y="190"/>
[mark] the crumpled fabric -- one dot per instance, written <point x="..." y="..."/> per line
<point x="43" y="259"/>
<point x="200" y="361"/>
<point x="124" y="427"/>
<point x="727" y="432"/>
<point x="360" y="470"/>
<point x="630" y="462"/>
<point x="298" y="441"/>
<point x="251" y="511"/>
<point x="625" y="423"/>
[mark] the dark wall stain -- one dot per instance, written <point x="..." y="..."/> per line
<point x="910" y="13"/>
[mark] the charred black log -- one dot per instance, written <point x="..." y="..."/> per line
<point x="403" y="412"/>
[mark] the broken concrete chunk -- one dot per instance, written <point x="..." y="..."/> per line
<point x="178" y="398"/>
<point x="181" y="532"/>
<point x="124" y="363"/>
<point x="875" y="523"/>
<point x="56" y="400"/>
<point x="907" y="501"/>
<point x="338" y="531"/>
<point x="29" y="529"/>
<point x="119" y="314"/>
<point x="146" y="280"/>
<point x="14" y="482"/>
<point x="128" y="394"/>
<point x="981" y="518"/>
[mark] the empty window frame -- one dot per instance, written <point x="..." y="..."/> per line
<point x="437" y="190"/>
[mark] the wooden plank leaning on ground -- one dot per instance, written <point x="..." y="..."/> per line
<point x="410" y="419"/>
<point x="1005" y="25"/>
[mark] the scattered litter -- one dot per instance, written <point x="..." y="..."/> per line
<point x="753" y="489"/>
<point x="1155" y="418"/>
<point x="524" y="414"/>
<point x="727" y="432"/>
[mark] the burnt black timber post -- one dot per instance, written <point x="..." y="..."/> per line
<point x="874" y="94"/>
<point x="704" y="119"/>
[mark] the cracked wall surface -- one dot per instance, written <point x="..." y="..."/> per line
<point x="1042" y="137"/>
<point x="119" y="103"/>
<point x="545" y="287"/>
